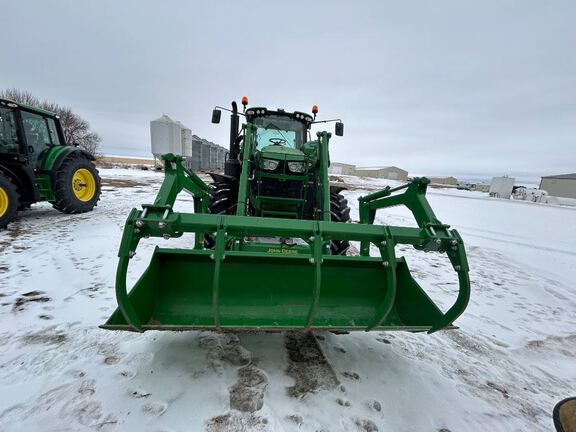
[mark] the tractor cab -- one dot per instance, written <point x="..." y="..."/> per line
<point x="281" y="168"/>
<point x="39" y="131"/>
<point x="279" y="127"/>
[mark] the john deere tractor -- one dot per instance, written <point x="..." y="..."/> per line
<point x="36" y="164"/>
<point x="285" y="172"/>
<point x="271" y="248"/>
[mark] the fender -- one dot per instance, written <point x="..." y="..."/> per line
<point x="56" y="155"/>
<point x="223" y="178"/>
<point x="337" y="189"/>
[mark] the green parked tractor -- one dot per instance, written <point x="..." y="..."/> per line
<point x="36" y="164"/>
<point x="272" y="243"/>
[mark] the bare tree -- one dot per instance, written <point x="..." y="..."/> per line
<point x="21" y="96"/>
<point x="76" y="129"/>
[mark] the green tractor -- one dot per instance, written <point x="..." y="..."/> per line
<point x="36" y="164"/>
<point x="272" y="243"/>
<point x="286" y="172"/>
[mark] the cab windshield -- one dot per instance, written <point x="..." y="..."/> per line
<point x="278" y="130"/>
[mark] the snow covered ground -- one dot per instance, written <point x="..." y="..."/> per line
<point x="503" y="370"/>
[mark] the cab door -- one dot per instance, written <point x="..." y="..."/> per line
<point x="9" y="142"/>
<point x="38" y="136"/>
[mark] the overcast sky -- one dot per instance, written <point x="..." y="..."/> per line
<point x="435" y="87"/>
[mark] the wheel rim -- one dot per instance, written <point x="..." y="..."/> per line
<point x="83" y="185"/>
<point x="3" y="202"/>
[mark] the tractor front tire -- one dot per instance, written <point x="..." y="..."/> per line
<point x="339" y="212"/>
<point x="77" y="186"/>
<point x="9" y="199"/>
<point x="223" y="201"/>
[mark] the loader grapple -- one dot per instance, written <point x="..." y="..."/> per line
<point x="246" y="285"/>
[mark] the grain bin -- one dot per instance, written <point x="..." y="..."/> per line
<point x="221" y="157"/>
<point x="186" y="142"/>
<point x="213" y="155"/>
<point x="196" y="153"/>
<point x="165" y="136"/>
<point x="205" y="158"/>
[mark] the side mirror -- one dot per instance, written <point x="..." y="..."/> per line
<point x="216" y="114"/>
<point x="339" y="129"/>
<point x="564" y="414"/>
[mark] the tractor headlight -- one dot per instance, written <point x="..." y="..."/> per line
<point x="270" y="164"/>
<point x="297" y="167"/>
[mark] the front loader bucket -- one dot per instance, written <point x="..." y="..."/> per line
<point x="273" y="292"/>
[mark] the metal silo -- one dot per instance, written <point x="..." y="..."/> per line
<point x="205" y="161"/>
<point x="221" y="157"/>
<point x="196" y="163"/>
<point x="224" y="156"/>
<point x="213" y="156"/>
<point x="186" y="142"/>
<point x="186" y="135"/>
<point x="165" y="136"/>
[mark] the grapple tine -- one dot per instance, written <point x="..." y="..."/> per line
<point x="386" y="248"/>
<point x="316" y="261"/>
<point x="218" y="257"/>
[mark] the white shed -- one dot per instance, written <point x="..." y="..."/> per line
<point x="563" y="185"/>
<point x="501" y="187"/>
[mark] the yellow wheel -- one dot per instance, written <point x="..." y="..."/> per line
<point x="77" y="186"/>
<point x="9" y="199"/>
<point x="3" y="202"/>
<point x="83" y="185"/>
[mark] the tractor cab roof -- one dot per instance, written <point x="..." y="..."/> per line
<point x="13" y="104"/>
<point x="255" y="112"/>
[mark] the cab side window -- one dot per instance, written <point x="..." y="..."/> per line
<point x="8" y="132"/>
<point x="37" y="135"/>
<point x="55" y="139"/>
<point x="36" y="130"/>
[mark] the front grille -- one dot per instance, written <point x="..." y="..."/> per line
<point x="281" y="188"/>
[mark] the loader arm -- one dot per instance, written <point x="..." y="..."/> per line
<point x="177" y="178"/>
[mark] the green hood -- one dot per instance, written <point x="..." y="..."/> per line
<point x="280" y="152"/>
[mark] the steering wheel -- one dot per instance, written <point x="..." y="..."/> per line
<point x="277" y="141"/>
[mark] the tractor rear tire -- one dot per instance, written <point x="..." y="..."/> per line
<point x="77" y="186"/>
<point x="223" y="201"/>
<point x="9" y="199"/>
<point x="339" y="212"/>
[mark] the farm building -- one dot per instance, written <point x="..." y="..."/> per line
<point x="391" y="173"/>
<point x="448" y="181"/>
<point x="342" y="168"/>
<point x="112" y="160"/>
<point x="563" y="185"/>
